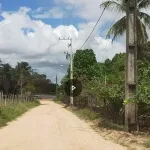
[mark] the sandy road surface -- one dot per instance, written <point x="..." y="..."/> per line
<point x="51" y="127"/>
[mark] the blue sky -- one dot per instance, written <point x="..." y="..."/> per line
<point x="14" y="5"/>
<point x="30" y="31"/>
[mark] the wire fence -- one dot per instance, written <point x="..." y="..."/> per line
<point x="12" y="99"/>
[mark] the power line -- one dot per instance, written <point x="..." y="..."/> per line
<point x="63" y="19"/>
<point x="95" y="25"/>
<point x="109" y="22"/>
<point x="107" y="42"/>
<point x="72" y="11"/>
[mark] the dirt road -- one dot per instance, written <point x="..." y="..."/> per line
<point x="51" y="127"/>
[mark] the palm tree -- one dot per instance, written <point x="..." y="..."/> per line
<point x="143" y="19"/>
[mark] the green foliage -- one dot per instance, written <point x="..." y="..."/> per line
<point x="143" y="89"/>
<point x="107" y="80"/>
<point x="82" y="62"/>
<point x="147" y="143"/>
<point x="143" y="19"/>
<point x="22" y="75"/>
<point x="11" y="112"/>
<point x="87" y="114"/>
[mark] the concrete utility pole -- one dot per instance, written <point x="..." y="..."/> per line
<point x="21" y="79"/>
<point x="56" y="88"/>
<point x="131" y="122"/>
<point x="71" y="69"/>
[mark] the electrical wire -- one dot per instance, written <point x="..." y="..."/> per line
<point x="63" y="20"/>
<point x="107" y="42"/>
<point x="107" y="25"/>
<point x="95" y="25"/>
<point x="72" y="12"/>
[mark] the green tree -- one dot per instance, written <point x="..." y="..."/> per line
<point x="82" y="62"/>
<point x="143" y="19"/>
<point x="144" y="52"/>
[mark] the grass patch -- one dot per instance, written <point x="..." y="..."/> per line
<point x="147" y="143"/>
<point x="58" y="101"/>
<point x="109" y="125"/>
<point x="11" y="112"/>
<point x="87" y="113"/>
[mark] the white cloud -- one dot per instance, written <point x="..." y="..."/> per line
<point x="42" y="47"/>
<point x="24" y="10"/>
<point x="42" y="13"/>
<point x="89" y="10"/>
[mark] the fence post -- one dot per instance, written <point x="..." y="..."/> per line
<point x="5" y="99"/>
<point x="0" y="98"/>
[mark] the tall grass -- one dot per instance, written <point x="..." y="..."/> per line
<point x="87" y="114"/>
<point x="11" y="112"/>
<point x="147" y="143"/>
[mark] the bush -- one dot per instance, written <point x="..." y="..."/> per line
<point x="87" y="113"/>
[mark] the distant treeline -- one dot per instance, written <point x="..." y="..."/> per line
<point x="22" y="78"/>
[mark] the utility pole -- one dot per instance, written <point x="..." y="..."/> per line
<point x="21" y="78"/>
<point x="71" y="73"/>
<point x="131" y="122"/>
<point x="71" y="69"/>
<point x="105" y="80"/>
<point x="56" y="88"/>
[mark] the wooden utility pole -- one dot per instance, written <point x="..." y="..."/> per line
<point x="131" y="66"/>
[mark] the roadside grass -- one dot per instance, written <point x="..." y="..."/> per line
<point x="89" y="114"/>
<point x="110" y="131"/>
<point x="58" y="101"/>
<point x="147" y="143"/>
<point x="86" y="113"/>
<point x="109" y="125"/>
<point x="11" y="112"/>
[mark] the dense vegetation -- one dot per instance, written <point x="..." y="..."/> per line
<point x="22" y="79"/>
<point x="105" y="82"/>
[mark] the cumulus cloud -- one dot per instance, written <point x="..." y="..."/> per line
<point x="44" y="13"/>
<point x="89" y="10"/>
<point x="24" y="39"/>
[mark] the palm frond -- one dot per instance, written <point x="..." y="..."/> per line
<point x="143" y="4"/>
<point x="146" y="19"/>
<point x="142" y="35"/>
<point x="117" y="29"/>
<point x="113" y="4"/>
